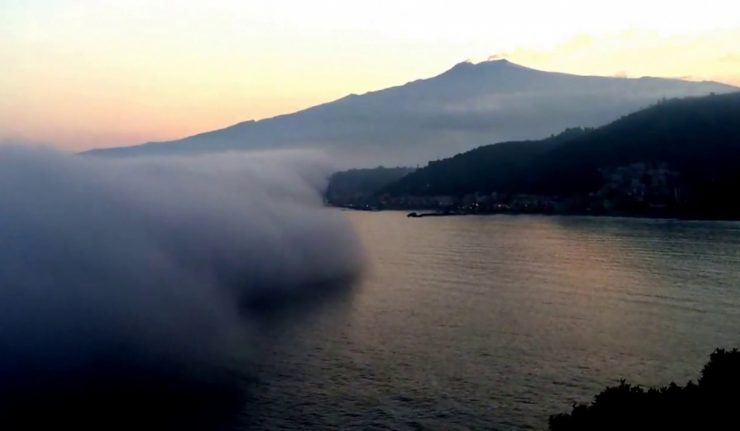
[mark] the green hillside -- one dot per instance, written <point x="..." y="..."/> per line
<point x="679" y="157"/>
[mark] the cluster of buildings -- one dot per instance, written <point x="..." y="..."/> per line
<point x="635" y="188"/>
<point x="472" y="203"/>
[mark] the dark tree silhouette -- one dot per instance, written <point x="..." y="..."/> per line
<point x="711" y="404"/>
<point x="676" y="158"/>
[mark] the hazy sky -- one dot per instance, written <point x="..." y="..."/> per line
<point x="81" y="74"/>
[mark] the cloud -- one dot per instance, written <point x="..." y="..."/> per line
<point x="702" y="55"/>
<point x="123" y="282"/>
<point x="730" y="58"/>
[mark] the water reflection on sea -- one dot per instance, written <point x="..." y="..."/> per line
<point x="497" y="321"/>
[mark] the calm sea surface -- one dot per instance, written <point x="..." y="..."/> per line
<point x="496" y="322"/>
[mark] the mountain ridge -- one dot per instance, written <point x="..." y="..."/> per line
<point x="676" y="158"/>
<point x="461" y="108"/>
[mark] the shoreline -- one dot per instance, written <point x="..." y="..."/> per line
<point x="420" y="213"/>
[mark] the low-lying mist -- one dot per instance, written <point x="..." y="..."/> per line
<point x="123" y="283"/>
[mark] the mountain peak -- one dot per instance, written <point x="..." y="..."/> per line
<point x="467" y="64"/>
<point x="494" y="100"/>
<point x="499" y="63"/>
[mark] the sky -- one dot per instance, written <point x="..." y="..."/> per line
<point x="89" y="74"/>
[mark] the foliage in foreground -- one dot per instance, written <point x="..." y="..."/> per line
<point x="713" y="403"/>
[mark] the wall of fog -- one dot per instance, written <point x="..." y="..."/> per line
<point x="111" y="270"/>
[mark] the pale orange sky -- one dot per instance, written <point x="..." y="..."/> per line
<point x="83" y="74"/>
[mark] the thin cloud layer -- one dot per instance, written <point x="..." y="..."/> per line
<point x="709" y="55"/>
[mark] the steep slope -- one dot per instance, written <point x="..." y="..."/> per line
<point x="681" y="153"/>
<point x="467" y="106"/>
<point x="356" y="185"/>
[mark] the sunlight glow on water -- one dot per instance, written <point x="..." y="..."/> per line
<point x="498" y="321"/>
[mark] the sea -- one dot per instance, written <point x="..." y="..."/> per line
<point x="496" y="322"/>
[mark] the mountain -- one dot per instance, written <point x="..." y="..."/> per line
<point x="679" y="157"/>
<point x="469" y="105"/>
<point x="358" y="185"/>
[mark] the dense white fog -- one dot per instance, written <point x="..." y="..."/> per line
<point x="146" y="264"/>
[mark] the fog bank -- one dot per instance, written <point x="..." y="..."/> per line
<point x="120" y="278"/>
